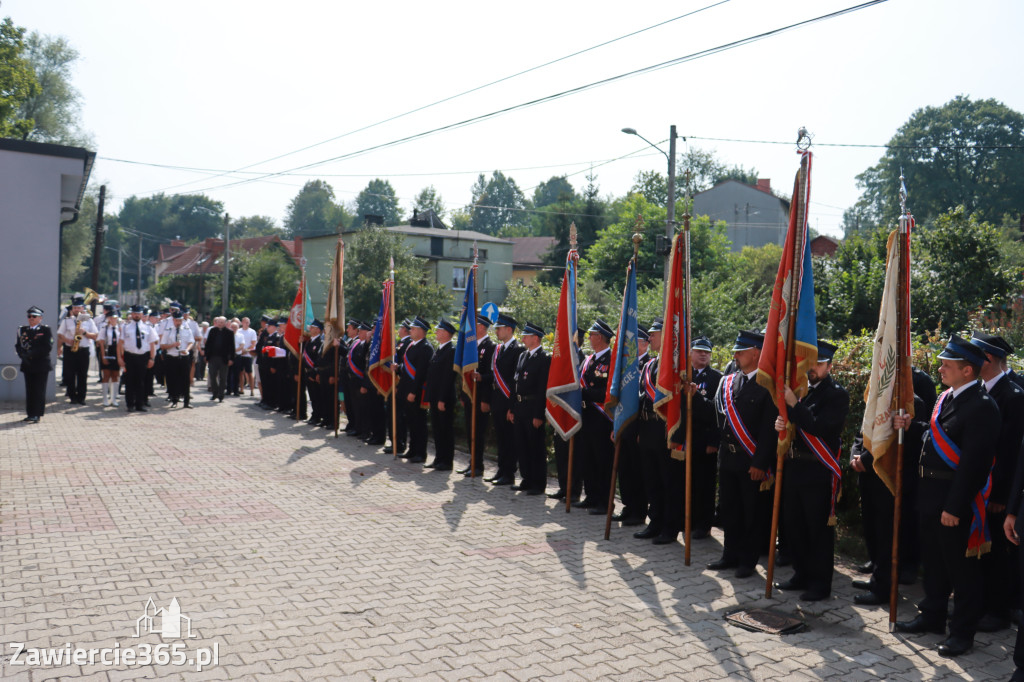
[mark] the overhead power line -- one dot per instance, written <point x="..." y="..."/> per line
<point x="564" y="93"/>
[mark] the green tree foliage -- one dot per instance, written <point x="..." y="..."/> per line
<point x="17" y="81"/>
<point x="255" y="226"/>
<point x="848" y="286"/>
<point x="460" y="219"/>
<point x="496" y="203"/>
<point x="367" y="266"/>
<point x="958" y="269"/>
<point x="161" y="218"/>
<point x="735" y="296"/>
<point x="951" y="155"/>
<point x="77" y="244"/>
<point x="591" y="214"/>
<point x="429" y="199"/>
<point x="313" y="211"/>
<point x="264" y="280"/>
<point x="556" y="203"/>
<point x="55" y="108"/>
<point x="697" y="171"/>
<point x="555" y="190"/>
<point x="379" y="199"/>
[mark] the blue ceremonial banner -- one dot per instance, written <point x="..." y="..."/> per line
<point x="465" y="348"/>
<point x="624" y="386"/>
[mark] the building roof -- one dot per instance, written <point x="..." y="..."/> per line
<point x="530" y="250"/>
<point x="47" y="149"/>
<point x="823" y="245"/>
<point x="204" y="257"/>
<point x="763" y="187"/>
<point x="463" y="235"/>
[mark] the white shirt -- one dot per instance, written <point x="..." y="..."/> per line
<point x="993" y="381"/>
<point x="248" y="341"/>
<point x="67" y="330"/>
<point x="109" y="335"/>
<point x="146" y="333"/>
<point x="181" y="335"/>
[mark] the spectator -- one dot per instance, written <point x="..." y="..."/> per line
<point x="219" y="351"/>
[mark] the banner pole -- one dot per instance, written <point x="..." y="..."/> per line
<point x="394" y="375"/>
<point x="472" y="422"/>
<point x="688" y="523"/>
<point x="568" y="480"/>
<point x="302" y="344"/>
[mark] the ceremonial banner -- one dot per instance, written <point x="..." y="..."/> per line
<point x="334" y="312"/>
<point x="466" y="355"/>
<point x="675" y="346"/>
<point x="881" y="401"/>
<point x="564" y="395"/>
<point x="299" y="317"/>
<point x="623" y="392"/>
<point x="792" y="305"/>
<point x="382" y="344"/>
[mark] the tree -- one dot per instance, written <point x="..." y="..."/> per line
<point x="161" y="218"/>
<point x="557" y="190"/>
<point x="17" y="81"/>
<point x="261" y="281"/>
<point x="56" y="107"/>
<point x="962" y="153"/>
<point x="367" y="266"/>
<point x="697" y="171"/>
<point x="313" y="211"/>
<point x="500" y="203"/>
<point x="254" y="226"/>
<point x="848" y="286"/>
<point x="76" y="244"/>
<point x="429" y="199"/>
<point x="379" y="199"/>
<point x="590" y="213"/>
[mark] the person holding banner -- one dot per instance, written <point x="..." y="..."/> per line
<point x="484" y="378"/>
<point x="404" y="339"/>
<point x="531" y="381"/>
<point x="415" y="366"/>
<point x="631" y="474"/>
<point x="955" y="479"/>
<point x="598" y="450"/>
<point x="813" y="476"/>
<point x="503" y="367"/>
<point x="746" y="458"/>
<point x="441" y="378"/>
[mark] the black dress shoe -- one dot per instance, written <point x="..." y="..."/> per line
<point x="787" y="585"/>
<point x="700" y="533"/>
<point x="665" y="539"/>
<point x="814" y="595"/>
<point x="619" y="516"/>
<point x="491" y="479"/>
<point x="744" y="572"/>
<point x="28" y="419"/>
<point x="464" y="472"/>
<point x="861" y="584"/>
<point x="372" y="441"/>
<point x="141" y="409"/>
<point x="469" y="474"/>
<point x="921" y="624"/>
<point x="441" y="467"/>
<point x="721" y="565"/>
<point x="867" y="567"/>
<point x="502" y="481"/>
<point x="647" y="533"/>
<point x="213" y="397"/>
<point x="993" y="623"/>
<point x="633" y="521"/>
<point x="432" y="465"/>
<point x="187" y="406"/>
<point x="416" y="460"/>
<point x="869" y="599"/>
<point x="535" y="491"/>
<point x="557" y="495"/>
<point x="598" y="511"/>
<point x="32" y="420"/>
<point x="517" y="487"/>
<point x="174" y="403"/>
<point x="586" y="503"/>
<point x="954" y="646"/>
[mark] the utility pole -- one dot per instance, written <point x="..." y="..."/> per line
<point x="97" y="251"/>
<point x="227" y="263"/>
<point x="120" y="251"/>
<point x="138" y="284"/>
<point x="670" y="221"/>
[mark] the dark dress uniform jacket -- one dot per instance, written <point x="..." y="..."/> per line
<point x="1010" y="399"/>
<point x="504" y="364"/>
<point x="757" y="411"/>
<point x="531" y="384"/>
<point x="822" y="413"/>
<point x="416" y="363"/>
<point x="33" y="347"/>
<point x="485" y="354"/>
<point x="441" y="377"/>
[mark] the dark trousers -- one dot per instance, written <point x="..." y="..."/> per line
<point x="417" y="419"/>
<point x="744" y="510"/>
<point x="482" y="418"/>
<point x="1018" y="648"/>
<point x="504" y="433"/>
<point x="562" y="465"/>
<point x="135" y="371"/>
<point x="401" y="428"/>
<point x="877" y="515"/>
<point x="533" y="455"/>
<point x="351" y="390"/>
<point x="598" y="454"/>
<point x="946" y="567"/>
<point x="218" y="376"/>
<point x="806" y="508"/>
<point x="443" y="426"/>
<point x="664" y="478"/>
<point x="379" y="418"/>
<point x="705" y="483"/>
<point x="631" y="475"/>
<point x="35" y="393"/>
<point x="176" y="371"/>
<point x="999" y="569"/>
<point x="76" y="364"/>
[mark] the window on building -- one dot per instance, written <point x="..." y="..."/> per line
<point x="459" y="276"/>
<point x="483" y="280"/>
<point x="482" y="254"/>
<point x="436" y="246"/>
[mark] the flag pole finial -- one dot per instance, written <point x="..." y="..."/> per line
<point x="803" y="139"/>
<point x="637" y="238"/>
<point x="903" y="193"/>
<point x="572" y="236"/>
<point x="476" y="253"/>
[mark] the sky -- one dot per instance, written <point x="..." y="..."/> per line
<point x="234" y="90"/>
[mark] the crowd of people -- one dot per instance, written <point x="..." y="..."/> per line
<point x="962" y="488"/>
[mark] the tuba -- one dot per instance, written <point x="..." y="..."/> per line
<point x="82" y="317"/>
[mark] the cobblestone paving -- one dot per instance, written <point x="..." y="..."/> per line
<point x="304" y="557"/>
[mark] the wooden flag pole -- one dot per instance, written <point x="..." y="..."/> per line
<point x="302" y="343"/>
<point x="394" y="374"/>
<point x="337" y="417"/>
<point x="902" y="357"/>
<point x="791" y="310"/>
<point x="688" y="523"/>
<point x="568" y="479"/>
<point x="472" y="418"/>
<point x="572" y="441"/>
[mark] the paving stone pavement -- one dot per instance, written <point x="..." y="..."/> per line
<point x="304" y="557"/>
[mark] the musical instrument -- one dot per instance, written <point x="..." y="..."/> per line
<point x="90" y="296"/>
<point x="82" y="317"/>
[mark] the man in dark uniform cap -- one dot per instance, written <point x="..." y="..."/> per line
<point x="311" y="351"/>
<point x="503" y="367"/>
<point x="484" y="378"/>
<point x="357" y="381"/>
<point x="746" y="456"/>
<point x="415" y="367"/>
<point x="598" y="448"/>
<point x="531" y="382"/>
<point x="34" y="343"/>
<point x="265" y="362"/>
<point x="812" y="477"/>
<point x="348" y="390"/>
<point x="261" y="358"/>
<point x="954" y="480"/>
<point x="631" y="474"/>
<point x="999" y="566"/>
<point x="136" y="351"/>
<point x="561" y="448"/>
<point x="372" y="401"/>
<point x="284" y="399"/>
<point x="401" y="428"/>
<point x="441" y="378"/>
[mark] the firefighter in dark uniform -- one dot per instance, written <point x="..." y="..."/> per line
<point x="813" y="476"/>
<point x="356" y="381"/>
<point x="503" y="367"/>
<point x="310" y="375"/>
<point x="441" y="378"/>
<point x="34" y="343"/>
<point x="631" y="474"/>
<point x="527" y="415"/>
<point x="404" y="339"/>
<point x="561" y="448"/>
<point x="484" y="378"/>
<point x="664" y="476"/>
<point x="372" y="401"/>
<point x="746" y="456"/>
<point x="998" y="567"/>
<point x="598" y="449"/>
<point x="261" y="358"/>
<point x="349" y="390"/>
<point x="954" y="480"/>
<point x="1013" y="529"/>
<point x="411" y="386"/>
<point x="269" y="378"/>
<point x="326" y="365"/>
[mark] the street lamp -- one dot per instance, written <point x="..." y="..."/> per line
<point x="670" y="220"/>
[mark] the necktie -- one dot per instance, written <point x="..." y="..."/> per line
<point x="740" y="381"/>
<point x="138" y="337"/>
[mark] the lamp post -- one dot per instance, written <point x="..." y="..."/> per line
<point x="670" y="219"/>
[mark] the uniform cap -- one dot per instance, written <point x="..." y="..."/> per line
<point x="642" y="335"/>
<point x="826" y="351"/>
<point x="318" y="324"/>
<point x="35" y="310"/>
<point x="535" y="330"/>
<point x="702" y="343"/>
<point x="962" y="350"/>
<point x="484" y="320"/>
<point x="746" y="340"/>
<point x="177" y="314"/>
<point x="506" y="321"/>
<point x="601" y="327"/>
<point x="420" y="323"/>
<point x="656" y="326"/>
<point x="446" y="325"/>
<point x="990" y="343"/>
